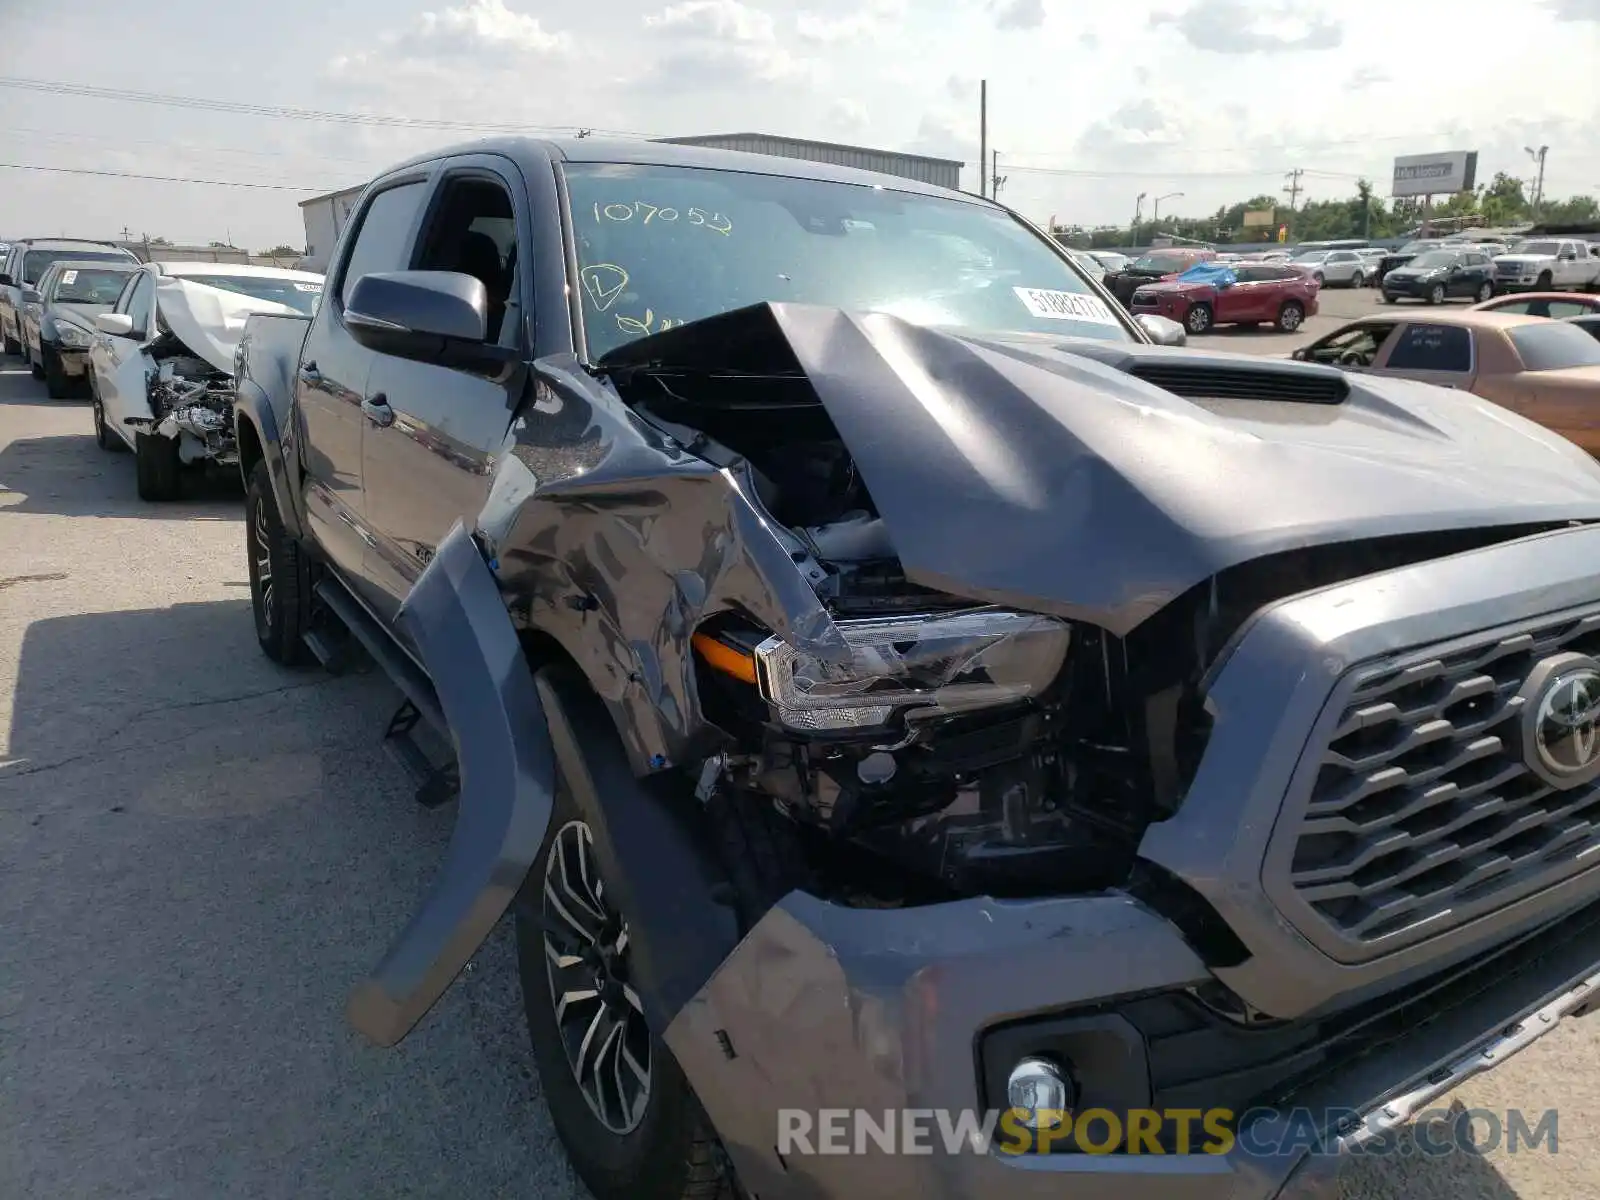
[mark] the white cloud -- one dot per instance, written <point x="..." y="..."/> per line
<point x="1253" y="26"/>
<point x="1018" y="14"/>
<point x="723" y="20"/>
<point x="876" y="19"/>
<point x="720" y="44"/>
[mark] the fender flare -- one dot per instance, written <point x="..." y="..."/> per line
<point x="252" y="405"/>
<point x="513" y="733"/>
<point x="507" y="773"/>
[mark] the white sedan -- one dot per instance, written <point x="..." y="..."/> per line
<point x="161" y="363"/>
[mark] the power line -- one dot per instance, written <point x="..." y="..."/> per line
<point x="283" y="112"/>
<point x="182" y="147"/>
<point x="276" y="187"/>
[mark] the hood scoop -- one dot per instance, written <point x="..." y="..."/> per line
<point x="1203" y="381"/>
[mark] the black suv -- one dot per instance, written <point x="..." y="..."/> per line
<point x="1437" y="275"/>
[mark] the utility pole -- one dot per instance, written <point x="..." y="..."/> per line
<point x="1294" y="189"/>
<point x="983" y="133"/>
<point x="997" y="179"/>
<point x="1538" y="187"/>
<point x="1138" y="209"/>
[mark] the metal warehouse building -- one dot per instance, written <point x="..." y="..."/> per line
<point x="942" y="172"/>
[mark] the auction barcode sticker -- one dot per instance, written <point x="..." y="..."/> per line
<point x="69" y="277"/>
<point x="1065" y="306"/>
<point x="308" y="287"/>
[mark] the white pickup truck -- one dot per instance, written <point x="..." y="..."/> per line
<point x="1546" y="263"/>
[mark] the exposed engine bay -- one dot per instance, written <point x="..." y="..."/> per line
<point x="968" y="747"/>
<point x="192" y="401"/>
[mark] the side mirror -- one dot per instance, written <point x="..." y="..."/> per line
<point x="433" y="316"/>
<point x="30" y="295"/>
<point x="1566" y="256"/>
<point x="116" y="324"/>
<point x="1161" y="330"/>
<point x="1299" y="354"/>
<point x="5" y="279"/>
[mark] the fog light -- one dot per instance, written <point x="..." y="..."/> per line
<point x="1041" y="1089"/>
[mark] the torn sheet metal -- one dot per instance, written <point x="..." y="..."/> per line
<point x="208" y="320"/>
<point x="1037" y="472"/>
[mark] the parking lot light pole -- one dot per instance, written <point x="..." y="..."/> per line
<point x="1138" y="208"/>
<point x="1538" y="187"/>
<point x="1156" y="212"/>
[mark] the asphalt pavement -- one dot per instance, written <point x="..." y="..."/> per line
<point x="201" y="852"/>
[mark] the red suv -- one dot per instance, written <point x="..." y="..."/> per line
<point x="1262" y="293"/>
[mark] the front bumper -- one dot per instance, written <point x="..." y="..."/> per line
<point x="74" y="360"/>
<point x="822" y="1008"/>
<point x="1170" y="307"/>
<point x="1415" y="289"/>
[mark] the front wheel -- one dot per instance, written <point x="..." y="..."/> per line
<point x="1436" y="294"/>
<point x="1291" y="316"/>
<point x="1198" y="319"/>
<point x="1485" y="292"/>
<point x="56" y="384"/>
<point x="623" y="1109"/>
<point x="12" y="346"/>
<point x="276" y="573"/>
<point x="1358" y="280"/>
<point x="156" y="466"/>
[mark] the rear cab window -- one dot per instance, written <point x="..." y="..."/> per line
<point x="1426" y="347"/>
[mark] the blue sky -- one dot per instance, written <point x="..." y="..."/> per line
<point x="1089" y="104"/>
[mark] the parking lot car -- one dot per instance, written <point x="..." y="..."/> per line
<point x="1438" y="275"/>
<point x="1110" y="260"/>
<point x="1401" y="257"/>
<point x="1246" y="294"/>
<point x="25" y="264"/>
<point x="1148" y="268"/>
<point x="161" y="362"/>
<point x="878" y="680"/>
<point x="1543" y="264"/>
<point x="1541" y="304"/>
<point x="1544" y="370"/>
<point x="60" y="328"/>
<point x="1337" y="267"/>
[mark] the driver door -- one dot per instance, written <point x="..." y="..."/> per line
<point x="1354" y="348"/>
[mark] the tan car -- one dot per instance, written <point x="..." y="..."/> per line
<point x="1547" y="371"/>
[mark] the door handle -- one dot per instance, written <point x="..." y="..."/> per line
<point x="309" y="373"/>
<point x="378" y="411"/>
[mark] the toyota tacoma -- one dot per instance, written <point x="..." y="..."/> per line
<point x="878" y="677"/>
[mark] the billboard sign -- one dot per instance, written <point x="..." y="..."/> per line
<point x="1260" y="218"/>
<point x="1435" y="174"/>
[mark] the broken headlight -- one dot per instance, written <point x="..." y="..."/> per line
<point x="72" y="336"/>
<point x="919" y="667"/>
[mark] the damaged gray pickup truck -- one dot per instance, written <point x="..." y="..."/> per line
<point x="887" y="689"/>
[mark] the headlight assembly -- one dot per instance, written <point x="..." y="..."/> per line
<point x="920" y="666"/>
<point x="71" y="335"/>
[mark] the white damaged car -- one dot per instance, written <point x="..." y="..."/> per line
<point x="161" y="363"/>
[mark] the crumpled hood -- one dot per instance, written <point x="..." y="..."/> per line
<point x="210" y="321"/>
<point x="1034" y="471"/>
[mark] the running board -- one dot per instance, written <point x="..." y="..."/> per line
<point x="396" y="663"/>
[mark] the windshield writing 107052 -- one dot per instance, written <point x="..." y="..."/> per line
<point x="647" y="214"/>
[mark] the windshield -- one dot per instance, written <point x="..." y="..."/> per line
<point x="1433" y="259"/>
<point x="1554" y="346"/>
<point x="34" y="262"/>
<point x="1111" y="262"/>
<point x="659" y="246"/>
<point x="1310" y="256"/>
<point x="1549" y="248"/>
<point x="91" y="286"/>
<point x="298" y="294"/>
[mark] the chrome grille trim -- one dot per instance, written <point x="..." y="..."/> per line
<point x="1416" y="809"/>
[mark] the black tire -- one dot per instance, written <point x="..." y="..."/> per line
<point x="1387" y="298"/>
<point x="1544" y="282"/>
<point x="1436" y="294"/>
<point x="157" y="467"/>
<point x="1317" y="277"/>
<point x="13" y="347"/>
<point x="34" y="368"/>
<point x="1198" y="319"/>
<point x="56" y="383"/>
<point x="672" y="1152"/>
<point x="1359" y="279"/>
<point x="1484" y="294"/>
<point x="1291" y="316"/>
<point x="278" y="597"/>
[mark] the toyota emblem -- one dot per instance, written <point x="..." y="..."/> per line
<point x="1561" y="720"/>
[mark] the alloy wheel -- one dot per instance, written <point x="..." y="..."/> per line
<point x="262" y="536"/>
<point x="1436" y="296"/>
<point x="598" y="1013"/>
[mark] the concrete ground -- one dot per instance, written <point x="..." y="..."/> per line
<point x="1335" y="307"/>
<point x="200" y="852"/>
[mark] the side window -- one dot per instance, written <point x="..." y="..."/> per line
<point x="1341" y="256"/>
<point x="1355" y="347"/>
<point x="1566" y="308"/>
<point x="383" y="242"/>
<point x="1424" y="347"/>
<point x="139" y="301"/>
<point x="473" y="230"/>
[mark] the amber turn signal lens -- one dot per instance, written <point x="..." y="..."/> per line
<point x="722" y="657"/>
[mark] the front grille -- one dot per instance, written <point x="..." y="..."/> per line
<point x="1511" y="269"/>
<point x="1424" y="812"/>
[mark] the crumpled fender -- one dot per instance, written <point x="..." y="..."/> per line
<point x="507" y="771"/>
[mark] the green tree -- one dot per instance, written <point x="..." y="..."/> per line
<point x="282" y="252"/>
